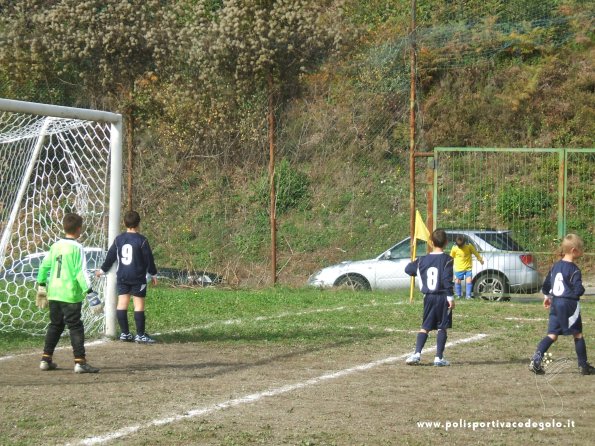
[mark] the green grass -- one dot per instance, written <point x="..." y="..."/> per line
<point x="309" y="316"/>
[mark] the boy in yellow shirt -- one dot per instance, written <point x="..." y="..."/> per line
<point x="461" y="253"/>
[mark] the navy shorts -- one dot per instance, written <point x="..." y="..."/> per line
<point x="137" y="289"/>
<point x="565" y="317"/>
<point x="437" y="315"/>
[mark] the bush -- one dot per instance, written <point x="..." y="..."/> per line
<point x="517" y="202"/>
<point x="291" y="187"/>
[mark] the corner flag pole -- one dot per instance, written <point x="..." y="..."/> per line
<point x="421" y="233"/>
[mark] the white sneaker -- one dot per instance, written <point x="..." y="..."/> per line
<point x="45" y="365"/>
<point x="144" y="339"/>
<point x="413" y="359"/>
<point x="440" y="362"/>
<point x="85" y="368"/>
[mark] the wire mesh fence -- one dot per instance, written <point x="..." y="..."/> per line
<point x="539" y="195"/>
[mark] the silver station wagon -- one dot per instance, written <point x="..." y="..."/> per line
<point x="507" y="268"/>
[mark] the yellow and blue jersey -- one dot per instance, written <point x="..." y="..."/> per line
<point x="462" y="257"/>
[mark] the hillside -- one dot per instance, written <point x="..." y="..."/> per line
<point x="489" y="73"/>
<point x="343" y="150"/>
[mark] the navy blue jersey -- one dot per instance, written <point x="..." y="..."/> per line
<point x="435" y="271"/>
<point x="134" y="256"/>
<point x="564" y="280"/>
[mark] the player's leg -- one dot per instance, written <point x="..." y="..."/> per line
<point x="443" y="325"/>
<point x="584" y="368"/>
<point x="139" y="294"/>
<point x="458" y="286"/>
<point x="52" y="336"/>
<point x="554" y="329"/>
<point x="420" y="341"/>
<point x="428" y="324"/>
<point x="72" y="318"/>
<point x="468" y="285"/>
<point x="122" y="312"/>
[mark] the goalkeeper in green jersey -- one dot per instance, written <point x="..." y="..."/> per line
<point x="62" y="285"/>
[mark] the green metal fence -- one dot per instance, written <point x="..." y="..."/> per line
<point x="538" y="194"/>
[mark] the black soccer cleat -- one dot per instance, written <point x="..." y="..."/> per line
<point x="587" y="369"/>
<point x="536" y="368"/>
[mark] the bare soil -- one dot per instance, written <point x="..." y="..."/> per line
<point x="379" y="406"/>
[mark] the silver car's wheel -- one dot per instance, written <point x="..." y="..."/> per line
<point x="353" y="282"/>
<point x="491" y="286"/>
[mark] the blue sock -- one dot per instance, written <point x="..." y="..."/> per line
<point x="441" y="342"/>
<point x="542" y="347"/>
<point x="139" y="320"/>
<point x="122" y="316"/>
<point x="581" y="351"/>
<point x="469" y="289"/>
<point x="458" y="289"/>
<point x="420" y="341"/>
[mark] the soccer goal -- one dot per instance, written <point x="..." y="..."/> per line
<point x="55" y="160"/>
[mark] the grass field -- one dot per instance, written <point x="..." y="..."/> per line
<point x="302" y="367"/>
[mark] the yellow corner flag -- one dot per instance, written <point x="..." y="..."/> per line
<point x="421" y="233"/>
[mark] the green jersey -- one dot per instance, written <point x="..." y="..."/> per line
<point x="67" y="268"/>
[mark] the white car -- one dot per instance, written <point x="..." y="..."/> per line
<point x="27" y="267"/>
<point x="507" y="267"/>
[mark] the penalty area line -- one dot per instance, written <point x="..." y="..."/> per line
<point x="255" y="397"/>
<point x="220" y="322"/>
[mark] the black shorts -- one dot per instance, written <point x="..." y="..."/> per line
<point x="437" y="315"/>
<point x="137" y="289"/>
<point x="565" y="317"/>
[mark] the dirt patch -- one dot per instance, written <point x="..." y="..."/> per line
<point x="379" y="406"/>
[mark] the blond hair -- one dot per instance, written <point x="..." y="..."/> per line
<point x="570" y="242"/>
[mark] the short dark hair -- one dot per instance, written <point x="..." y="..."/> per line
<point x="71" y="222"/>
<point x="460" y="241"/>
<point x="132" y="219"/>
<point x="439" y="239"/>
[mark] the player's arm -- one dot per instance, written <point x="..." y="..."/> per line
<point x="149" y="260"/>
<point x="44" y="269"/>
<point x="110" y="259"/>
<point x="41" y="297"/>
<point x="546" y="288"/>
<point x="412" y="267"/>
<point x="80" y="271"/>
<point x="476" y="254"/>
<point x="448" y="283"/>
<point x="576" y="283"/>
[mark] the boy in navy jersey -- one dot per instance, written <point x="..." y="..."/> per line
<point x="135" y="259"/>
<point x="436" y="273"/>
<point x="562" y="289"/>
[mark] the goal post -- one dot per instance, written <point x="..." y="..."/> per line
<point x="54" y="160"/>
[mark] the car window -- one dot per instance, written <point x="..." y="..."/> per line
<point x="403" y="250"/>
<point x="500" y="240"/>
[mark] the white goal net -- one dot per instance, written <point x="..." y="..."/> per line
<point x="53" y="160"/>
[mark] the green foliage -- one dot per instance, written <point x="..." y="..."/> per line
<point x="520" y="202"/>
<point x="291" y="189"/>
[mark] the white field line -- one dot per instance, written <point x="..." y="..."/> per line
<point x="224" y="322"/>
<point x="526" y="319"/>
<point x="255" y="397"/>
